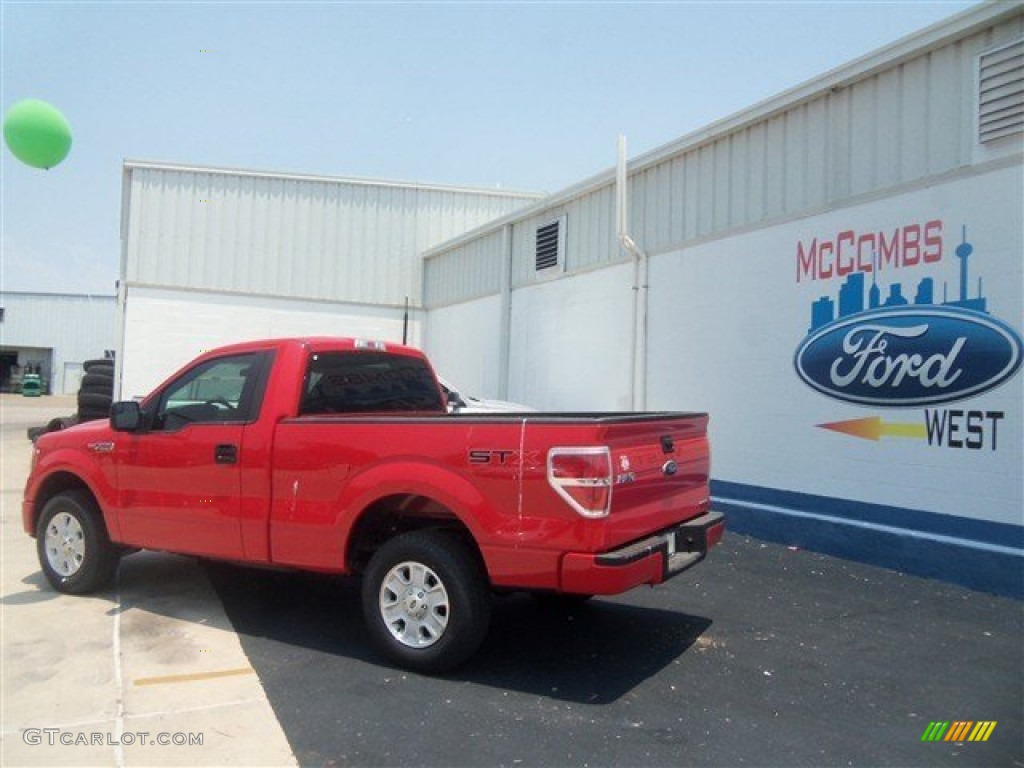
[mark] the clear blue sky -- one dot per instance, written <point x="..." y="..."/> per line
<point x="522" y="96"/>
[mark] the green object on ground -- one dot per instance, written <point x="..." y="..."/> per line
<point x="31" y="385"/>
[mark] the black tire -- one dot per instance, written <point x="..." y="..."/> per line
<point x="56" y="425"/>
<point x="94" y="401"/>
<point x="90" y="366"/>
<point x="106" y="392"/>
<point x="74" y="550"/>
<point x="98" y="382"/>
<point x="92" y="414"/>
<point x="457" y="623"/>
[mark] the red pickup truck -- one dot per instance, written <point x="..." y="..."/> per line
<point x="338" y="455"/>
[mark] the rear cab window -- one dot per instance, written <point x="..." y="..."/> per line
<point x="368" y="382"/>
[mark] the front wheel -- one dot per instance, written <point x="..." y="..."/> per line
<point x="72" y="543"/>
<point x="426" y="600"/>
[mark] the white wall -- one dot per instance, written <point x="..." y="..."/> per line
<point x="463" y="344"/>
<point x="570" y="342"/>
<point x="164" y="329"/>
<point x="727" y="317"/>
<point x="569" y="347"/>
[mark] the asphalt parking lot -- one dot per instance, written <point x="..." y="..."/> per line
<point x="761" y="656"/>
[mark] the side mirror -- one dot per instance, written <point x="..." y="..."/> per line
<point x="455" y="400"/>
<point x="126" y="416"/>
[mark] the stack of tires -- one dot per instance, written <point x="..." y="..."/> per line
<point x="97" y="390"/>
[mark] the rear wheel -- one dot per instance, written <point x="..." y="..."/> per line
<point x="72" y="543"/>
<point x="426" y="600"/>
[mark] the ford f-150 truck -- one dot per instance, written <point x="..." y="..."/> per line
<point x="339" y="456"/>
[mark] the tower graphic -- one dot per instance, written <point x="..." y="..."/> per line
<point x="963" y="252"/>
<point x="851" y="292"/>
<point x="874" y="294"/>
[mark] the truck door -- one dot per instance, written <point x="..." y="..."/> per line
<point x="180" y="480"/>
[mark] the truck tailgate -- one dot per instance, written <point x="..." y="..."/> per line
<point x="661" y="471"/>
<point x="660" y="465"/>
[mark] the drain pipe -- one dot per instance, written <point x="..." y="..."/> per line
<point x="638" y="341"/>
<point x="505" y="321"/>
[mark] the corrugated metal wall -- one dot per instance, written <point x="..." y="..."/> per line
<point x="474" y="270"/>
<point x="292" y="236"/>
<point x="64" y="321"/>
<point x="889" y="124"/>
<point x="75" y="327"/>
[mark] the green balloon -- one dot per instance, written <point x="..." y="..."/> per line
<point x="37" y="133"/>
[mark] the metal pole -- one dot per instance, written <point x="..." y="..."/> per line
<point x="405" y="323"/>
<point x="622" y="233"/>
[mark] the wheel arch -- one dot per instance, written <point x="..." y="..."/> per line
<point x="58" y="482"/>
<point x="399" y="496"/>
<point x="399" y="513"/>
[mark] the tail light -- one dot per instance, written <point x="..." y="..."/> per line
<point x="583" y="477"/>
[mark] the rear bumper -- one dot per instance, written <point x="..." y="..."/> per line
<point x="652" y="560"/>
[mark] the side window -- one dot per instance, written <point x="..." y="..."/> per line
<point x="368" y="382"/>
<point x="225" y="390"/>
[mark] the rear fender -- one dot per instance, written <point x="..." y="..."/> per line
<point x="486" y="522"/>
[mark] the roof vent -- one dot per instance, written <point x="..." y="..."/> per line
<point x="1001" y="92"/>
<point x="550" y="253"/>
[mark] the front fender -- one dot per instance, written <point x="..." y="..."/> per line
<point x="69" y="467"/>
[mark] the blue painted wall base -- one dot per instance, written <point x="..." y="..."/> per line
<point x="981" y="555"/>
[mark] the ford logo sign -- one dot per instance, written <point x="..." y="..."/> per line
<point x="909" y="356"/>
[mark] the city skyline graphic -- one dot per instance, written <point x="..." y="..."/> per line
<point x="852" y="293"/>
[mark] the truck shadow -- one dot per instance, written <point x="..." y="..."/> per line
<point x="593" y="653"/>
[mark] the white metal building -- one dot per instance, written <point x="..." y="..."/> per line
<point x="55" y="333"/>
<point x="212" y="256"/>
<point x="834" y="274"/>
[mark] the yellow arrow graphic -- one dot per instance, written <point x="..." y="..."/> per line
<point x="873" y="428"/>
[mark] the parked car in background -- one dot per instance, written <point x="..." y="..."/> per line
<point x="461" y="403"/>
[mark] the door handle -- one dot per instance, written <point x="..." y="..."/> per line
<point x="226" y="454"/>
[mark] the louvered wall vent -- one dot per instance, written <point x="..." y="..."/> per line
<point x="550" y="245"/>
<point x="1001" y="92"/>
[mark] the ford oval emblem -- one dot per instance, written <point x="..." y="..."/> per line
<point x="909" y="356"/>
<point x="669" y="468"/>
